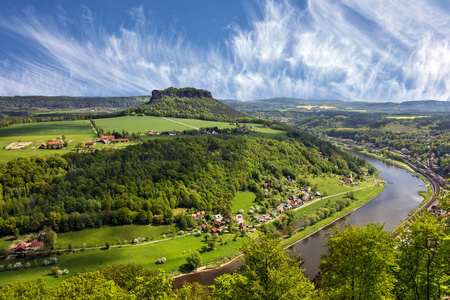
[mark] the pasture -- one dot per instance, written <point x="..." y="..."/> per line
<point x="36" y="133"/>
<point x="175" y="251"/>
<point x="146" y="123"/>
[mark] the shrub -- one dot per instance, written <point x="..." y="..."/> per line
<point x="55" y="270"/>
<point x="17" y="265"/>
<point x="53" y="260"/>
<point x="194" y="260"/>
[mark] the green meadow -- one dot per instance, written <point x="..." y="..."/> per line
<point x="175" y="250"/>
<point x="114" y="235"/>
<point x="36" y="133"/>
<point x="146" y="123"/>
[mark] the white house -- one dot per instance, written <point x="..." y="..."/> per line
<point x="218" y="218"/>
<point x="238" y="218"/>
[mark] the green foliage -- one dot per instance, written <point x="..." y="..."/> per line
<point x="423" y="254"/>
<point x="144" y="183"/>
<point x="90" y="285"/>
<point x="125" y="275"/>
<point x="194" y="260"/>
<point x="269" y="273"/>
<point x="361" y="263"/>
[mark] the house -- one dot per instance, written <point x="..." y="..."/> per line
<point x="170" y="133"/>
<point x="267" y="216"/>
<point x="35" y="245"/>
<point x="286" y="206"/>
<point x="348" y="180"/>
<point x="203" y="226"/>
<point x="243" y="226"/>
<point x="261" y="218"/>
<point x="307" y="189"/>
<point x="107" y="137"/>
<point x="56" y="144"/>
<point x="21" y="247"/>
<point x="238" y="218"/>
<point x="88" y="144"/>
<point x="120" y="140"/>
<point x="292" y="197"/>
<point x="218" y="217"/>
<point x="43" y="146"/>
<point x="214" y="230"/>
<point x="218" y="224"/>
<point x="198" y="215"/>
<point x="280" y="208"/>
<point x="227" y="219"/>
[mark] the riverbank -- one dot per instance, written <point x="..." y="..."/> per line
<point x="310" y="230"/>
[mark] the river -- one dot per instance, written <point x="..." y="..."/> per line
<point x="392" y="205"/>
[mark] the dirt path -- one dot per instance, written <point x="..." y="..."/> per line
<point x="180" y="123"/>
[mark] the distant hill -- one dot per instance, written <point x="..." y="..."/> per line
<point x="420" y="106"/>
<point x="186" y="103"/>
<point x="65" y="102"/>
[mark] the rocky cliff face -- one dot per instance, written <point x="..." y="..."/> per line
<point x="179" y="93"/>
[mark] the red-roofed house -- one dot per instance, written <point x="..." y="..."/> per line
<point x="243" y="226"/>
<point x="120" y="140"/>
<point x="35" y="245"/>
<point x="21" y="247"/>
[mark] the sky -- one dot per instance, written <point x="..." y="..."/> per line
<point x="353" y="50"/>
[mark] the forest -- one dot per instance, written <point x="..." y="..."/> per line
<point x="144" y="183"/>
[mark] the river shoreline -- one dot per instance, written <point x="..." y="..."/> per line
<point x="322" y="227"/>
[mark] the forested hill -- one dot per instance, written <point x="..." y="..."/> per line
<point x="423" y="106"/>
<point x="64" y="102"/>
<point x="186" y="103"/>
<point x="144" y="183"/>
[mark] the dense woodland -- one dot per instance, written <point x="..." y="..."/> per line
<point x="421" y="136"/>
<point x="143" y="183"/>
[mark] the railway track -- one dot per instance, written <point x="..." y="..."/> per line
<point x="436" y="189"/>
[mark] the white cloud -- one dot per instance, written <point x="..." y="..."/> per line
<point x="349" y="49"/>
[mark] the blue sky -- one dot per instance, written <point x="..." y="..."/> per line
<point x="363" y="50"/>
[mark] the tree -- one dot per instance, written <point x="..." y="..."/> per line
<point x="194" y="260"/>
<point x="423" y="253"/>
<point x="125" y="275"/>
<point x="49" y="237"/>
<point x="269" y="273"/>
<point x="89" y="285"/>
<point x="360" y="264"/>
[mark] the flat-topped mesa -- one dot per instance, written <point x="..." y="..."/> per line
<point x="179" y="93"/>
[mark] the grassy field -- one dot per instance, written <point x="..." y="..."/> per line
<point x="175" y="250"/>
<point x="114" y="235"/>
<point x="146" y="123"/>
<point x="74" y="131"/>
<point x="243" y="200"/>
<point x="362" y="196"/>
<point x="329" y="184"/>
